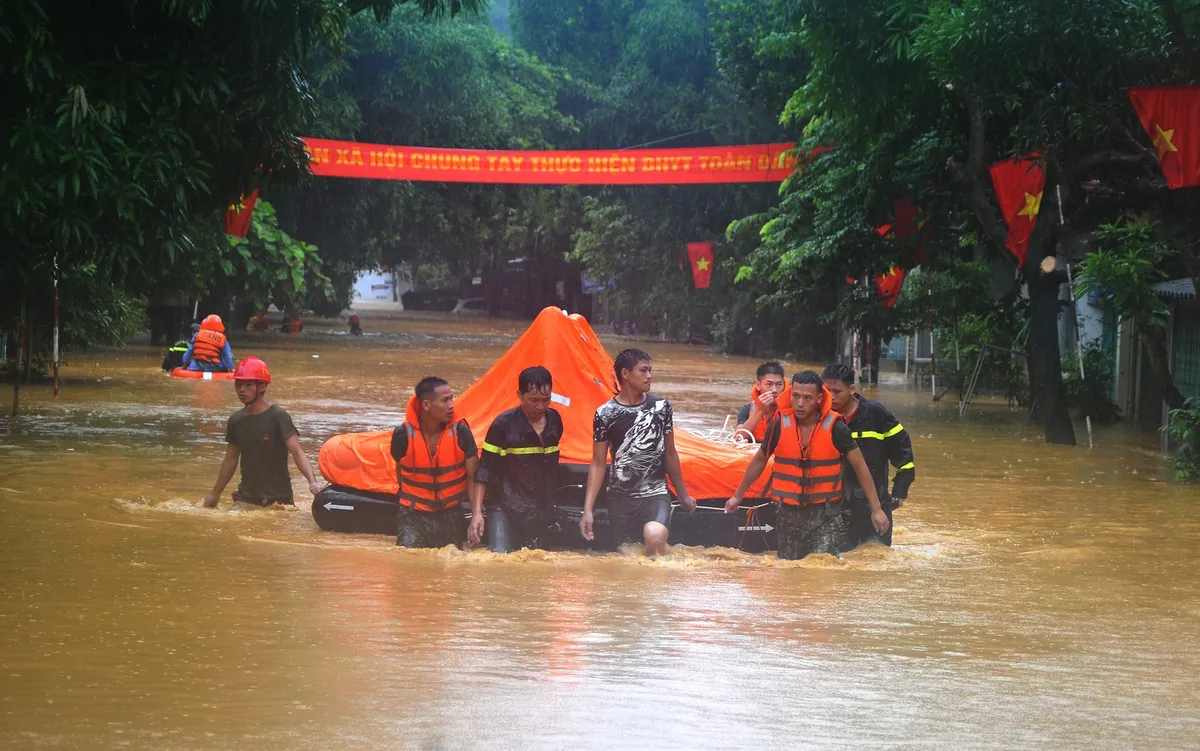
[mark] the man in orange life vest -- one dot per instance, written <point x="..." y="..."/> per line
<point x="768" y="388"/>
<point x="210" y="350"/>
<point x="260" y="435"/>
<point x="809" y="443"/>
<point x="436" y="459"/>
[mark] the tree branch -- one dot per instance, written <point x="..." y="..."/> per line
<point x="1105" y="158"/>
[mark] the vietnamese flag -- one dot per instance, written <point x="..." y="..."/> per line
<point x="1019" y="184"/>
<point x="701" y="257"/>
<point x="237" y="216"/>
<point x="1171" y="117"/>
<point x="889" y="285"/>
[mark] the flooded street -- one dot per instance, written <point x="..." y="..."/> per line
<point x="1037" y="596"/>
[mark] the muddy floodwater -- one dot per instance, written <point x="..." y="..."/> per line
<point x="1037" y="596"/>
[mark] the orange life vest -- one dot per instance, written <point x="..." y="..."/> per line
<point x="208" y="346"/>
<point x="783" y="404"/>
<point x="437" y="482"/>
<point x="811" y="473"/>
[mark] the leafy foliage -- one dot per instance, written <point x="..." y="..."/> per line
<point x="1184" y="429"/>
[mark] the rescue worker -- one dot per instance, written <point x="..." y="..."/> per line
<point x="809" y="444"/>
<point x="260" y="435"/>
<point x="639" y="428"/>
<point x="769" y="386"/>
<point x="882" y="439"/>
<point x="436" y="459"/>
<point x="210" y="350"/>
<point x="519" y="468"/>
<point x="174" y="356"/>
<point x="355" y="326"/>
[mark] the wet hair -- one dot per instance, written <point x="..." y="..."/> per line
<point x="628" y="360"/>
<point x="535" y="378"/>
<point x="427" y="386"/>
<point x="768" y="368"/>
<point x="839" y="372"/>
<point x="808" y="378"/>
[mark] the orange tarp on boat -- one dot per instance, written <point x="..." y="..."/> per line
<point x="583" y="380"/>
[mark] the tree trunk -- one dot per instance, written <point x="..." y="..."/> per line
<point x="1043" y="328"/>
<point x="1154" y="339"/>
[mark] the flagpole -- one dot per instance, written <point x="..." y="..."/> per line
<point x="54" y="362"/>
<point x="1075" y="317"/>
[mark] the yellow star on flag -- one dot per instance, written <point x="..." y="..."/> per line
<point x="702" y="264"/>
<point x="1033" y="204"/>
<point x="1162" y="141"/>
<point x="237" y="207"/>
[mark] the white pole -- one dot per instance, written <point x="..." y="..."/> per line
<point x="1075" y="318"/>
<point x="54" y="361"/>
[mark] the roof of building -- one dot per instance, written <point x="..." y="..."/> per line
<point x="1179" y="288"/>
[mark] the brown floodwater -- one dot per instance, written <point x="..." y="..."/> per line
<point x="1037" y="596"/>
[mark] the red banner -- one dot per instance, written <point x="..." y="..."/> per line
<point x="1171" y="117"/>
<point x="1019" y="184"/>
<point x="238" y="215"/>
<point x="701" y="257"/>
<point x="761" y="163"/>
<point x="889" y="285"/>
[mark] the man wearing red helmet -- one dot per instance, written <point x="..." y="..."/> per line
<point x="260" y="435"/>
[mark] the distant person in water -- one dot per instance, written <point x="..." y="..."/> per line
<point x="769" y="386"/>
<point x="883" y="440"/>
<point x="638" y="428"/>
<point x="436" y="460"/>
<point x="175" y="353"/>
<point x="260" y="436"/>
<point x="355" y="326"/>
<point x="519" y="468"/>
<point x="210" y="350"/>
<point x="810" y="444"/>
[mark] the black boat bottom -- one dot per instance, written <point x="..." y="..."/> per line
<point x="338" y="509"/>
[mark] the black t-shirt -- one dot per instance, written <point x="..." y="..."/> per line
<point x="520" y="467"/>
<point x="466" y="442"/>
<point x="843" y="441"/>
<point x="636" y="436"/>
<point x="262" y="441"/>
<point x="744" y="414"/>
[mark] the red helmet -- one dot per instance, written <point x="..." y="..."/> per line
<point x="213" y="323"/>
<point x="252" y="369"/>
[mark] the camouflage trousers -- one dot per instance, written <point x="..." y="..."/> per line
<point x="425" y="529"/>
<point x="805" y="530"/>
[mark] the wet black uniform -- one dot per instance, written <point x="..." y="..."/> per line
<point x="883" y="440"/>
<point x="520" y="469"/>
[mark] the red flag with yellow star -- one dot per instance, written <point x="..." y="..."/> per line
<point x="1171" y="117"/>
<point x="700" y="255"/>
<point x="237" y="216"/>
<point x="889" y="285"/>
<point x="1019" y="184"/>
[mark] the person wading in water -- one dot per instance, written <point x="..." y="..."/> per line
<point x="882" y="439"/>
<point x="769" y="387"/>
<point x="260" y="435"/>
<point x="639" y="428"/>
<point x="519" y="466"/>
<point x="436" y="459"/>
<point x="809" y="443"/>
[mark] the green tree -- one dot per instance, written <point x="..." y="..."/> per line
<point x="918" y="97"/>
<point x="128" y="127"/>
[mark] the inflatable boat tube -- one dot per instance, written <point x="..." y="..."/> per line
<point x="341" y="509"/>
<point x="201" y="375"/>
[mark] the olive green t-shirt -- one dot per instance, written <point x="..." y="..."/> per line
<point x="261" y="439"/>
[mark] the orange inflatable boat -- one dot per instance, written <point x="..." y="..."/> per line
<point x="201" y="375"/>
<point x="360" y="464"/>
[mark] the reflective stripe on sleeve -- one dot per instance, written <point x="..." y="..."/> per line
<point x="878" y="436"/>
<point x="910" y="465"/>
